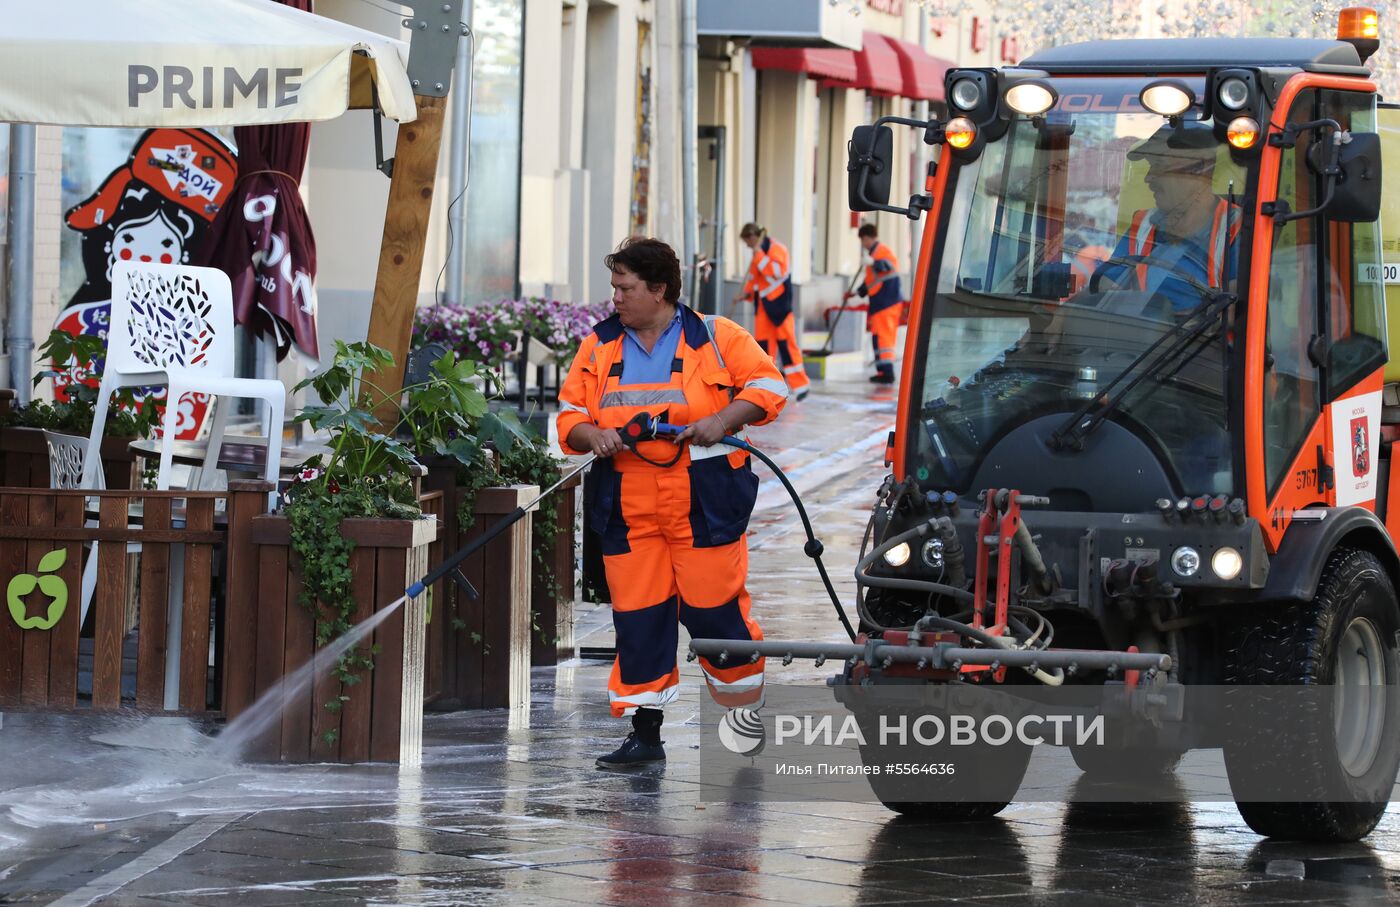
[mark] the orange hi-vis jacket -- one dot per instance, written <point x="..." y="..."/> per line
<point x="672" y="533"/>
<point x="881" y="279"/>
<point x="717" y="361"/>
<point x="770" y="279"/>
<point x="1224" y="228"/>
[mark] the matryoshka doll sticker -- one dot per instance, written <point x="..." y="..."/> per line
<point x="154" y="208"/>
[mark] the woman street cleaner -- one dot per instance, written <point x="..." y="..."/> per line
<point x="671" y="515"/>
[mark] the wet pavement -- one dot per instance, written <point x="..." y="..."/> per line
<point x="509" y="809"/>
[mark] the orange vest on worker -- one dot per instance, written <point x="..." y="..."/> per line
<point x="1224" y="227"/>
<point x="716" y="361"/>
<point x="882" y="279"/>
<point x="770" y="279"/>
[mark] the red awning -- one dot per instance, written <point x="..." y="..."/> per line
<point x="877" y="66"/>
<point x="884" y="66"/>
<point x="921" y="73"/>
<point x="820" y="62"/>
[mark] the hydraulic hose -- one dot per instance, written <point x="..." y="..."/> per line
<point x="961" y="595"/>
<point x="813" y="548"/>
<point x="915" y="585"/>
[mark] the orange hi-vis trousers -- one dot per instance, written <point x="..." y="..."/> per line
<point x="780" y="342"/>
<point x="659" y="579"/>
<point x="884" y="328"/>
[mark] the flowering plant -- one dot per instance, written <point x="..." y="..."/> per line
<point x="490" y="333"/>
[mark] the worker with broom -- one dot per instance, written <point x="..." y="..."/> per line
<point x="769" y="284"/>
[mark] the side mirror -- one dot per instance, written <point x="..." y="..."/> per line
<point x="869" y="155"/>
<point x="1356" y="197"/>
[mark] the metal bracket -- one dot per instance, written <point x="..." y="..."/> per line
<point x="432" y="51"/>
<point x="381" y="163"/>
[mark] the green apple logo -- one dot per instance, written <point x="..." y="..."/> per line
<point x="52" y="586"/>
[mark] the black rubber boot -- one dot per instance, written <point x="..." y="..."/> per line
<point x="642" y="747"/>
<point x="882" y="377"/>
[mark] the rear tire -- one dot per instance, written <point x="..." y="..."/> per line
<point x="1345" y="637"/>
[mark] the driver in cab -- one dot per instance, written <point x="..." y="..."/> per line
<point x="1185" y="246"/>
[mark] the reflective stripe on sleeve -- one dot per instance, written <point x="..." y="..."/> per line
<point x="772" y="385"/>
<point x="774" y="284"/>
<point x="568" y="407"/>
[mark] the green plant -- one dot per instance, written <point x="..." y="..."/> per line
<point x="366" y="474"/>
<point x="522" y="463"/>
<point x="78" y="358"/>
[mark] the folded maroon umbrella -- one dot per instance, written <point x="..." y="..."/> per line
<point x="262" y="237"/>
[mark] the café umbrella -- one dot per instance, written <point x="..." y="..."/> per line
<point x="176" y="63"/>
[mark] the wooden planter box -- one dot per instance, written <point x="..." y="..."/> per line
<point x="552" y="584"/>
<point x="479" y="649"/>
<point x="271" y="635"/>
<point x="24" y="459"/>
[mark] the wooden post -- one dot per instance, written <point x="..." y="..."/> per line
<point x="405" y="235"/>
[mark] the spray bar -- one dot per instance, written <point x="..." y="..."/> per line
<point x="942" y="656"/>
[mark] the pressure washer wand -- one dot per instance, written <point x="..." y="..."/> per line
<point x="642" y="427"/>
<point x="496" y="529"/>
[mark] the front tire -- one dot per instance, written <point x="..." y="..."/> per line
<point x="1344" y="638"/>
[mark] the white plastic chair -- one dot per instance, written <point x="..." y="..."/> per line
<point x="67" y="454"/>
<point x="173" y="325"/>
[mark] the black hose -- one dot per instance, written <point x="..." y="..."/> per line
<point x="813" y="548"/>
<point x="916" y="585"/>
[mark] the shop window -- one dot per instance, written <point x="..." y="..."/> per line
<point x="4" y="186"/>
<point x="491" y="244"/>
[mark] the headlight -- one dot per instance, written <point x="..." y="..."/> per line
<point x="932" y="554"/>
<point x="966" y="94"/>
<point x="1030" y="98"/>
<point x="898" y="556"/>
<point x="1233" y="94"/>
<point x="1186" y="561"/>
<point x="1227" y="563"/>
<point x="1168" y="99"/>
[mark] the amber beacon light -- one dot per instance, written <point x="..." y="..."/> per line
<point x="1358" y="22"/>
<point x="1360" y="27"/>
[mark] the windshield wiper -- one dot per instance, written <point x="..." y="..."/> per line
<point x="1076" y="428"/>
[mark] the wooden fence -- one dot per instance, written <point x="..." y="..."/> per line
<point x="44" y="539"/>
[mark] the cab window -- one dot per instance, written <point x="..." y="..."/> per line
<point x="1292" y="388"/>
<point x="1356" y="327"/>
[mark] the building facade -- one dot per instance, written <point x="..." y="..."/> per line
<point x="576" y="138"/>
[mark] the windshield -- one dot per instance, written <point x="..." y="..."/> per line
<point x="1081" y="245"/>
